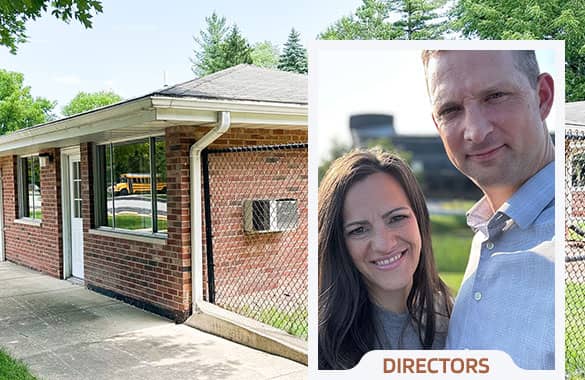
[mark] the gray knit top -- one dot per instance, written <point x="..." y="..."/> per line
<point x="397" y="331"/>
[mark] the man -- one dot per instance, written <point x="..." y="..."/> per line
<point x="490" y="109"/>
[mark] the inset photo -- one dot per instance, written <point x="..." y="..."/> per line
<point x="436" y="202"/>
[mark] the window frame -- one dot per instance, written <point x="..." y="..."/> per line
<point x="22" y="185"/>
<point x="572" y="168"/>
<point x="100" y="198"/>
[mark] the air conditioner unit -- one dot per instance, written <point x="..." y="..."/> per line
<point x="270" y="215"/>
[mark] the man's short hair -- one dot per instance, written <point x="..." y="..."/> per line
<point x="525" y="62"/>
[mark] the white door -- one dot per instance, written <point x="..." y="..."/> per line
<point x="76" y="219"/>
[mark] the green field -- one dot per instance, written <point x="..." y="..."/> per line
<point x="575" y="331"/>
<point x="136" y="222"/>
<point x="294" y="322"/>
<point x="453" y="280"/>
<point x="11" y="369"/>
<point x="451" y="243"/>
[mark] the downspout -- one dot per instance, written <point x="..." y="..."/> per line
<point x="196" y="236"/>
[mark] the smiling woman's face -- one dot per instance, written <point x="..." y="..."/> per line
<point x="382" y="235"/>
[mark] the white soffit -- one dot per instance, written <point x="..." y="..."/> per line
<point x="149" y="115"/>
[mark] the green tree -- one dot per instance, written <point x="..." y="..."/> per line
<point x="413" y="19"/>
<point x="294" y="55"/>
<point x="338" y="149"/>
<point x="531" y="19"/>
<point x="18" y="108"/>
<point x="234" y="50"/>
<point x="14" y="14"/>
<point x="370" y="22"/>
<point x="220" y="47"/>
<point x="85" y="101"/>
<point x="265" y="54"/>
<point x="420" y="19"/>
<point x="208" y="55"/>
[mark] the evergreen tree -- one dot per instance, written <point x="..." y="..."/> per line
<point x="370" y="22"/>
<point x="294" y="55"/>
<point x="420" y="19"/>
<point x="414" y="19"/>
<point x="209" y="55"/>
<point x="234" y="50"/>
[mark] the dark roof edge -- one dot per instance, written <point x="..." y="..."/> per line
<point x="225" y="98"/>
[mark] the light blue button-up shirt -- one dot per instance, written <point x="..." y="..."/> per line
<point x="506" y="300"/>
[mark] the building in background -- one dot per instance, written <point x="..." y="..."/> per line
<point x="439" y="178"/>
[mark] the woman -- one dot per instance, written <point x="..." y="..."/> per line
<point x="378" y="284"/>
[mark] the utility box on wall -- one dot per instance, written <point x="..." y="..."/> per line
<point x="270" y="215"/>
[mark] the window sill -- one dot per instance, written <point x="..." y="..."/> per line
<point x="29" y="222"/>
<point x="159" y="239"/>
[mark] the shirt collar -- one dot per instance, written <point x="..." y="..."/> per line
<point x="524" y="205"/>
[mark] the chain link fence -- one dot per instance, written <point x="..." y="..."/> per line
<point x="256" y="218"/>
<point x="575" y="254"/>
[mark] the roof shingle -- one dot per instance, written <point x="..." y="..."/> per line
<point x="244" y="82"/>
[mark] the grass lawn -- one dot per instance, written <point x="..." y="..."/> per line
<point x="575" y="331"/>
<point x="451" y="243"/>
<point x="136" y="222"/>
<point x="11" y="369"/>
<point x="294" y="322"/>
<point x="457" y="204"/>
<point x="453" y="280"/>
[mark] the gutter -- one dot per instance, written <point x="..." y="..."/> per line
<point x="212" y="318"/>
<point x="196" y="235"/>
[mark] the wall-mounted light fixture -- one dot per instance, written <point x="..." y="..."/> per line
<point x="44" y="159"/>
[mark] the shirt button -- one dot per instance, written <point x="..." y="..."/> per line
<point x="477" y="296"/>
<point x="489" y="245"/>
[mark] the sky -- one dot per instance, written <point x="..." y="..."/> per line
<point x="135" y="47"/>
<point x="134" y="43"/>
<point x="353" y="77"/>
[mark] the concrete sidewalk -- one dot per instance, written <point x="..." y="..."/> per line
<point x="64" y="331"/>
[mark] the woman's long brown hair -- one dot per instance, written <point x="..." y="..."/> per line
<point x="346" y="326"/>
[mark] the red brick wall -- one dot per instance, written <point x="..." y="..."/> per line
<point x="248" y="263"/>
<point x="153" y="276"/>
<point x="251" y="263"/>
<point x="38" y="247"/>
<point x="158" y="277"/>
<point x="239" y="135"/>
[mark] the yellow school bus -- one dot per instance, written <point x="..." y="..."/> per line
<point x="135" y="183"/>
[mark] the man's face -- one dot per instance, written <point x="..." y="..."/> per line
<point x="488" y="116"/>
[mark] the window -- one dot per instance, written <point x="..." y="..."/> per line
<point x="578" y="170"/>
<point x="131" y="186"/>
<point x="76" y="196"/>
<point x="270" y="215"/>
<point x="29" y="188"/>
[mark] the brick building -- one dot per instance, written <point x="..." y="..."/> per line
<point x="117" y="197"/>
<point x="575" y="191"/>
